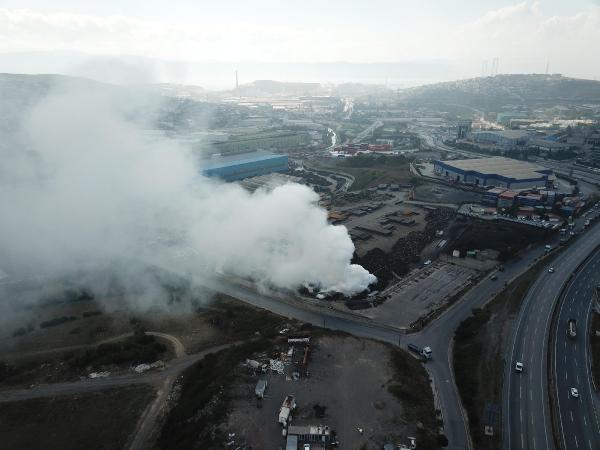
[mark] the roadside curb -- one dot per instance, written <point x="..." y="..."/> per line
<point x="457" y="393"/>
<point x="589" y="341"/>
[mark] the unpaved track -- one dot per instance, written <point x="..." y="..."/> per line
<point x="145" y="431"/>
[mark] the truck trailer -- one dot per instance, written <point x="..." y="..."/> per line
<point x="285" y="412"/>
<point x="261" y="387"/>
<point x="424" y="352"/>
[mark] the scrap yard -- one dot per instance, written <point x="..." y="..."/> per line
<point x="313" y="397"/>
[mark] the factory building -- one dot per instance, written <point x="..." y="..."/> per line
<point x="506" y="138"/>
<point x="593" y="141"/>
<point x="243" y="165"/>
<point x="463" y="129"/>
<point x="497" y="171"/>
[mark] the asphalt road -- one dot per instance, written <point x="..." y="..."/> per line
<point x="526" y="414"/>
<point x="578" y="422"/>
<point x="366" y="132"/>
<point x="439" y="335"/>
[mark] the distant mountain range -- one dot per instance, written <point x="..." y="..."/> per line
<point x="501" y="90"/>
<point x="216" y="75"/>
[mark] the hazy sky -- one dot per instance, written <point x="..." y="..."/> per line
<point x="522" y="34"/>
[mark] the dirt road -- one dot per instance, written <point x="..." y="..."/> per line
<point x="164" y="380"/>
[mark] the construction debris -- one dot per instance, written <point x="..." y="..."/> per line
<point x="277" y="366"/>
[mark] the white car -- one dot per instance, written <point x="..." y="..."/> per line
<point x="551" y="270"/>
<point x="306" y="447"/>
<point x="519" y="367"/>
<point x="574" y="392"/>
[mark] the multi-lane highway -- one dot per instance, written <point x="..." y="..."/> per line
<point x="526" y="409"/>
<point x="578" y="422"/>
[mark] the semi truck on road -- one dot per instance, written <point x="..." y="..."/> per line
<point x="424" y="352"/>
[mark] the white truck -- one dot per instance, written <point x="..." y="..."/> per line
<point x="424" y="352"/>
<point x="261" y="387"/>
<point x="572" y="328"/>
<point x="285" y="412"/>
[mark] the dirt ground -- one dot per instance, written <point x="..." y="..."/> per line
<point x="431" y="192"/>
<point x="57" y="353"/>
<point x="73" y="422"/>
<point x="367" y="173"/>
<point x="507" y="238"/>
<point x="188" y="325"/>
<point x="348" y="376"/>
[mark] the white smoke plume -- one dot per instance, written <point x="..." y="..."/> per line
<point x="82" y="184"/>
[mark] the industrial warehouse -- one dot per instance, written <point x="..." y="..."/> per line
<point x="496" y="171"/>
<point x="234" y="167"/>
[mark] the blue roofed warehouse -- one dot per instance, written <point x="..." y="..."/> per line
<point x="243" y="165"/>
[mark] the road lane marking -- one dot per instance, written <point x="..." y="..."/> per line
<point x="571" y="412"/>
<point x="519" y="392"/>
<point x="576" y="443"/>
<point x="522" y="442"/>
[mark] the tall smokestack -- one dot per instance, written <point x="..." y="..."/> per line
<point x="236" y="80"/>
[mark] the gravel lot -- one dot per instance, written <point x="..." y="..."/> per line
<point x="348" y="376"/>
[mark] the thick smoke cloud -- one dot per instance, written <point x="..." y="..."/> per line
<point x="82" y="184"/>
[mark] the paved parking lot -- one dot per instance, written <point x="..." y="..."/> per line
<point x="422" y="291"/>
